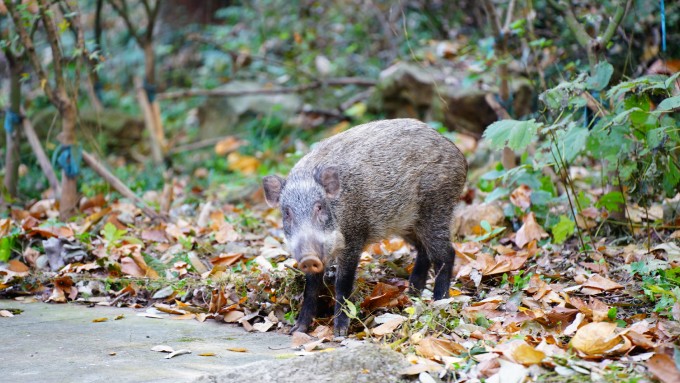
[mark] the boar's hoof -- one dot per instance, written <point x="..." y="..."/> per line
<point x="299" y="327"/>
<point x="311" y="264"/>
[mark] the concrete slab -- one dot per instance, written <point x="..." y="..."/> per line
<point x="60" y="343"/>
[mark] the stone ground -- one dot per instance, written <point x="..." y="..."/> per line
<point x="61" y="343"/>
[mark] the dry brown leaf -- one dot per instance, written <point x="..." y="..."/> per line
<point x="5" y="226"/>
<point x="300" y="338"/>
<point x="227" y="145"/>
<point x="226" y="259"/>
<point x="663" y="367"/>
<point x="233" y="316"/>
<point x="596" y="338"/>
<point x="384" y="295"/>
<point x="388" y="327"/>
<point x="431" y="347"/>
<point x="521" y="197"/>
<point x="597" y="281"/>
<point x="207" y="354"/>
<point x="530" y="231"/>
<point x="17" y="266"/>
<point x="154" y="236"/>
<point x="322" y="332"/>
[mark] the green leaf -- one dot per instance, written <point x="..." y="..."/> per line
<point x="611" y="314"/>
<point x="669" y="104"/>
<point x="563" y="229"/>
<point x="610" y="201"/>
<point x="5" y="249"/>
<point x="485" y="225"/>
<point x="517" y="135"/>
<point x="600" y="79"/>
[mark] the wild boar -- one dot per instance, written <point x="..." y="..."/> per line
<point x="385" y="178"/>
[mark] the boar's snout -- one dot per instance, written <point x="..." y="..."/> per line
<point x="311" y="264"/>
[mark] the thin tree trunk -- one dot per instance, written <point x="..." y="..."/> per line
<point x="67" y="137"/>
<point x="12" y="157"/>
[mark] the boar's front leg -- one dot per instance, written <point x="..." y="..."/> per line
<point x="313" y="284"/>
<point x="344" y="282"/>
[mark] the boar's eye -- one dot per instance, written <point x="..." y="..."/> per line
<point x="287" y="215"/>
<point x="319" y="212"/>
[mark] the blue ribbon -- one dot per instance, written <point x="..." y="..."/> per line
<point x="11" y="119"/>
<point x="663" y="25"/>
<point x="150" y="90"/>
<point x="68" y="157"/>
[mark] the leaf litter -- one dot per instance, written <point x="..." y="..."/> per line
<point x="522" y="305"/>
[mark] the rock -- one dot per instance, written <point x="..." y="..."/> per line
<point x="443" y="94"/>
<point x="363" y="363"/>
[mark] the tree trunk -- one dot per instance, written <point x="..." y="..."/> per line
<point x="12" y="158"/>
<point x="67" y="137"/>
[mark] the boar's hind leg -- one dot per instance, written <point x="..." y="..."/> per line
<point x="418" y="276"/>
<point x="344" y="282"/>
<point x="313" y="284"/>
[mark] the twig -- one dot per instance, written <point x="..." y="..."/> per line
<point x="118" y="185"/>
<point x="39" y="152"/>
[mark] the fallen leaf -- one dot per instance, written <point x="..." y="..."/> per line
<point x="17" y="266"/>
<point x="530" y="231"/>
<point x="300" y="338"/>
<point x="207" y="354"/>
<point x="527" y="355"/>
<point x="99" y="320"/>
<point x="431" y="347"/>
<point x="596" y="338"/>
<point x="227" y="145"/>
<point x="237" y="349"/>
<point x="6" y="314"/>
<point x="233" y="316"/>
<point x="663" y="367"/>
<point x="521" y="197"/>
<point x="599" y="282"/>
<point x="177" y="353"/>
<point x="162" y="348"/>
<point x="242" y="163"/>
<point x="388" y="327"/>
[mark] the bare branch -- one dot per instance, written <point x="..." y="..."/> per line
<point x="342" y="81"/>
<point x="122" y="11"/>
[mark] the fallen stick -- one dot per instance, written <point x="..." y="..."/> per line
<point x="118" y="185"/>
<point x="43" y="160"/>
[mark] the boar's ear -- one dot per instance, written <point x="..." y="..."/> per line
<point x="328" y="178"/>
<point x="272" y="189"/>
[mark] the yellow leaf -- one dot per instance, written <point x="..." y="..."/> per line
<point x="237" y="349"/>
<point x="596" y="338"/>
<point x="98" y="320"/>
<point x="207" y="354"/>
<point x="525" y="354"/>
<point x="242" y="163"/>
